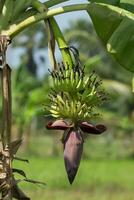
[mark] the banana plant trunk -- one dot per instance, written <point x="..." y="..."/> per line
<point x="6" y="185"/>
<point x="5" y="153"/>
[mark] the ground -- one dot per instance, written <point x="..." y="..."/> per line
<point x="96" y="179"/>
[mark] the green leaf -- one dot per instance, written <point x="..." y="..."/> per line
<point x="112" y="2"/>
<point x="1" y="5"/>
<point x="115" y="27"/>
<point x="125" y="4"/>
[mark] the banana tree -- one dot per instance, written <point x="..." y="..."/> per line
<point x="74" y="97"/>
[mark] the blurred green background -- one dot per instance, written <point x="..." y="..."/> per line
<point x="107" y="169"/>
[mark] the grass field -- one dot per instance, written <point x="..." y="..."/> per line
<point x="96" y="180"/>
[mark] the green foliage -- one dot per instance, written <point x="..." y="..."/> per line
<point x="6" y="13"/>
<point x="125" y="4"/>
<point x="28" y="96"/>
<point x="12" y="11"/>
<point x="111" y="23"/>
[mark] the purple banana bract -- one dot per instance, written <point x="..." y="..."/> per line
<point x="73" y="142"/>
<point x="73" y="148"/>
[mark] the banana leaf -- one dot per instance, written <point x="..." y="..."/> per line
<point x="115" y="28"/>
<point x="125" y="4"/>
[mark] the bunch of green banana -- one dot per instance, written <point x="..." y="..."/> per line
<point x="74" y="96"/>
<point x="73" y="110"/>
<point x="68" y="79"/>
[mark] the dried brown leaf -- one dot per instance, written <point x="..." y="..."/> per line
<point x="14" y="146"/>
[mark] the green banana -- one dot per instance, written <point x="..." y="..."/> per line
<point x="54" y="107"/>
<point x="55" y="115"/>
<point x="59" y="98"/>
<point x="54" y="111"/>
<point x="86" y="82"/>
<point x="76" y="79"/>
<point x="71" y="77"/>
<point x="79" y="85"/>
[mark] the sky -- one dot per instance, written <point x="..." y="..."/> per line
<point x="72" y="16"/>
<point x="63" y="20"/>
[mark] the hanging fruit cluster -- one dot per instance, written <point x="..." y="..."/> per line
<point x="74" y="99"/>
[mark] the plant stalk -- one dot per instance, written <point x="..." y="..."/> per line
<point x="7" y="103"/>
<point x="6" y="133"/>
<point x="54" y="29"/>
<point x="63" y="46"/>
<point x="6" y="159"/>
<point x="7" y="128"/>
<point x="15" y="29"/>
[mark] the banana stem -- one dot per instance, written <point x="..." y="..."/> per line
<point x="6" y="160"/>
<point x="15" y="29"/>
<point x="7" y="102"/>
<point x="67" y="59"/>
<point x="41" y="8"/>
<point x="48" y="4"/>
